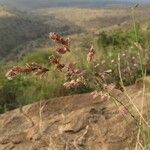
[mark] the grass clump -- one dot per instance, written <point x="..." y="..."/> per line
<point x="24" y="90"/>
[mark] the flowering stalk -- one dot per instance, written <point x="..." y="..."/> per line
<point x="28" y="68"/>
<point x="91" y="54"/>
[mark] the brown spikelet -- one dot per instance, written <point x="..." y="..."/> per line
<point x="59" y="39"/>
<point x="28" y="68"/>
<point x="91" y="54"/>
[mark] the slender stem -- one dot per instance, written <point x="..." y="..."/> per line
<point x="140" y="123"/>
<point x="129" y="98"/>
<point x="134" y="25"/>
<point x="137" y="40"/>
<point x="124" y="107"/>
<point x="121" y="103"/>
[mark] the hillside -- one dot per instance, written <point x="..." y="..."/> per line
<point x="19" y="30"/>
<point x="97" y="18"/>
<point x="76" y="122"/>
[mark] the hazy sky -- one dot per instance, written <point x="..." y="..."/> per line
<point x="53" y="1"/>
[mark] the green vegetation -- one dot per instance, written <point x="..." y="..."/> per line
<point x="28" y="89"/>
<point x="122" y="39"/>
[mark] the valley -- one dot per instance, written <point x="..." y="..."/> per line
<point x="22" y="31"/>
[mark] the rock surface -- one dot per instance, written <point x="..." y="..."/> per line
<point x="74" y="123"/>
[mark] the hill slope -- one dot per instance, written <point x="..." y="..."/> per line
<point x="18" y="28"/>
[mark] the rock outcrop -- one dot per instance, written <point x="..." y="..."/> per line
<point x="74" y="123"/>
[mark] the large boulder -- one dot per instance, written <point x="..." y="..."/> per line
<point x="76" y="122"/>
